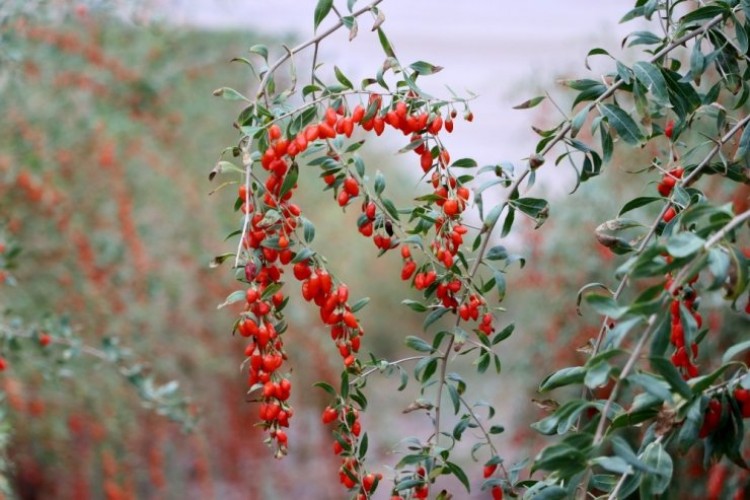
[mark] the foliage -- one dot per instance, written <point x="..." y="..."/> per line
<point x="643" y="396"/>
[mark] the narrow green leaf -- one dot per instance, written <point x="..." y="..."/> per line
<point x="637" y="203"/>
<point x="232" y="298"/>
<point x="684" y="244"/>
<point x="425" y="68"/>
<point x="650" y="75"/>
<point x="259" y="49"/>
<point x="321" y="11"/>
<point x="563" y="377"/>
<point x="418" y="344"/>
<point x="667" y="370"/>
<point x="387" y="48"/>
<point x="308" y="230"/>
<point x="342" y="79"/>
<point x="744" y="146"/>
<point x="435" y="315"/>
<point x="464" y="163"/>
<point x="734" y="351"/>
<point x="530" y="103"/>
<point x="460" y="474"/>
<point x="379" y="183"/>
<point x="656" y="457"/>
<point x="622" y="123"/>
<point x="230" y="94"/>
<point x="414" y="305"/>
<point x="289" y="180"/>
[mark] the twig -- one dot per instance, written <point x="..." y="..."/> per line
<point x="313" y="41"/>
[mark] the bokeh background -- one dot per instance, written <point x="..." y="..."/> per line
<point x="108" y="133"/>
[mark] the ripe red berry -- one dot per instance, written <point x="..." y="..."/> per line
<point x="497" y="493"/>
<point x="669" y="129"/>
<point x="370" y="210"/>
<point x="44" y="339"/>
<point x="343" y="198"/>
<point x="450" y="207"/>
<point x="669" y="214"/>
<point x="425" y="161"/>
<point x="329" y="415"/>
<point x="274" y="132"/>
<point x="741" y="395"/>
<point x="489" y="470"/>
<point x="281" y="438"/>
<point x="351" y="186"/>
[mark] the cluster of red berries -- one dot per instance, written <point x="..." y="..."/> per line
<point x="665" y="188"/>
<point x="712" y="418"/>
<point x="368" y="222"/>
<point x="496" y="491"/>
<point x="351" y="473"/>
<point x="470" y="310"/>
<point x="266" y="355"/>
<point x="422" y="490"/>
<point x="335" y="310"/>
<point x="683" y="358"/>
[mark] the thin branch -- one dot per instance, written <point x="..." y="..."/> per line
<point x="313" y="41"/>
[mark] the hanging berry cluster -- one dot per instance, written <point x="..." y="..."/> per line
<point x="270" y="242"/>
<point x="683" y="309"/>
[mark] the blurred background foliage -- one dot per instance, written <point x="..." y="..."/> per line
<point x="108" y="133"/>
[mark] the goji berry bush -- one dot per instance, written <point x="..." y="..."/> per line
<point x="653" y="382"/>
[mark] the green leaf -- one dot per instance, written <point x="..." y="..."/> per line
<point x="622" y="123"/>
<point x="706" y="12"/>
<point x="684" y="244"/>
<point x="259" y="49"/>
<point x="563" y="458"/>
<point x="617" y="465"/>
<point x="387" y="48"/>
<point x="425" y="68"/>
<point x="321" y="11"/>
<point x="232" y="298"/>
<point x="379" y="183"/>
<point x="652" y="384"/>
<point x="530" y="103"/>
<point x="360" y="304"/>
<point x="563" y="377"/>
<point x="326" y="387"/>
<point x="464" y="163"/>
<point x="606" y="306"/>
<point x="656" y="457"/>
<point x="650" y="75"/>
<point x="734" y="351"/>
<point x="497" y="253"/>
<point x="637" y="203"/>
<point x="577" y="122"/>
<point x="414" y="305"/>
<point x="744" y="146"/>
<point x="308" y="230"/>
<point x="459" y="473"/>
<point x="503" y="334"/>
<point x="390" y="208"/>
<point x="289" y="180"/>
<point x="418" y="344"/>
<point x="597" y="375"/>
<point x="435" y="315"/>
<point x="230" y="94"/>
<point x="667" y="370"/>
<point x="342" y="79"/>
<point x="363" y="444"/>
